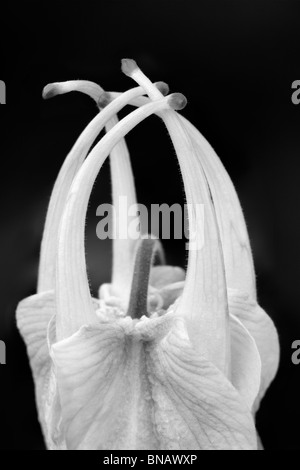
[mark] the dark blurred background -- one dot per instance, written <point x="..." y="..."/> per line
<point x="235" y="61"/>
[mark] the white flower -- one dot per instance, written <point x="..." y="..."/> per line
<point x="158" y="362"/>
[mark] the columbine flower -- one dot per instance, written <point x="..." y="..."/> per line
<point x="158" y="361"/>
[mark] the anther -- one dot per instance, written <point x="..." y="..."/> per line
<point x="177" y="101"/>
<point x="104" y="100"/>
<point x="128" y="66"/>
<point x="162" y="87"/>
<point x="49" y="91"/>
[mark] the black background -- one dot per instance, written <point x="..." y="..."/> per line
<point x="235" y="61"/>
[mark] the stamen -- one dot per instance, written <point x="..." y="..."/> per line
<point x="204" y="300"/>
<point x="128" y="66"/>
<point x="49" y="91"/>
<point x="104" y="99"/>
<point x="240" y="273"/>
<point x="177" y="101"/>
<point x="139" y="288"/>
<point x="84" y="86"/>
<point x="74" y="303"/>
<point x="122" y="184"/>
<point x="162" y="87"/>
<point x="69" y="169"/>
<point x="122" y="187"/>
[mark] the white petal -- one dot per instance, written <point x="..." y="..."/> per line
<point x="169" y="294"/>
<point x="36" y="322"/>
<point x="161" y="276"/>
<point x="33" y="316"/>
<point x="259" y="443"/>
<point x="245" y="362"/>
<point x="165" y="286"/>
<point x="262" y="329"/>
<point x="120" y="391"/>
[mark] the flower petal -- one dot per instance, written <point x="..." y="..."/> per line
<point x="161" y="276"/>
<point x="166" y="285"/>
<point x="262" y="329"/>
<point x="170" y="293"/>
<point x="36" y="322"/>
<point x="121" y="390"/>
<point x="33" y="316"/>
<point x="245" y="362"/>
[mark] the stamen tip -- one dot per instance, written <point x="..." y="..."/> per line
<point x="49" y="91"/>
<point x="163" y="88"/>
<point x="128" y="66"/>
<point x="104" y="99"/>
<point x="177" y="101"/>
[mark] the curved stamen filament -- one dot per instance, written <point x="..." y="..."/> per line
<point x="238" y="259"/>
<point x="123" y="187"/>
<point x="66" y="175"/>
<point x="74" y="303"/>
<point x="240" y="272"/>
<point x="204" y="298"/>
<point x="70" y="167"/>
<point x="84" y="86"/>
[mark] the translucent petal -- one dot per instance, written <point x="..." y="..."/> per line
<point x="245" y="362"/>
<point x="33" y="317"/>
<point x="161" y="276"/>
<point x="262" y="329"/>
